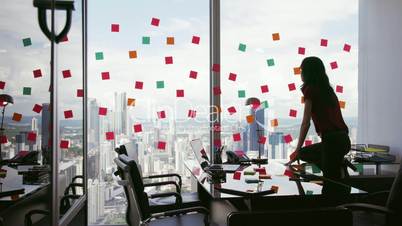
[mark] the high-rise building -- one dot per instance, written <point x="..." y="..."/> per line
<point x="94" y="122"/>
<point x="45" y="126"/>
<point x="256" y="130"/>
<point x="120" y="113"/>
<point x="277" y="144"/>
<point x="34" y="125"/>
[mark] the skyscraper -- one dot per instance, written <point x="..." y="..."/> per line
<point x="256" y="129"/>
<point x="120" y="110"/>
<point x="94" y="122"/>
<point x="45" y="126"/>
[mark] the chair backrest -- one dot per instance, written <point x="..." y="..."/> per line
<point x="394" y="201"/>
<point x="305" y="217"/>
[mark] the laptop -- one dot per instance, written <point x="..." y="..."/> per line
<point x="203" y="159"/>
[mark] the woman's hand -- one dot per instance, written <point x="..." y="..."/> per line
<point x="293" y="157"/>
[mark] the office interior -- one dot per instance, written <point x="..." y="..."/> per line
<point x="106" y="104"/>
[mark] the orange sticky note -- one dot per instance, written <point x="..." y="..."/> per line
<point x="274" y="123"/>
<point x="130" y="102"/>
<point x="342" y="104"/>
<point x="250" y="119"/>
<point x="17" y="117"/>
<point x="302" y="100"/>
<point x="132" y="54"/>
<point x="297" y="70"/>
<point x="276" y="37"/>
<point x="170" y="40"/>
<point x="275" y="188"/>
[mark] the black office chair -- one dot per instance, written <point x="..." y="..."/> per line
<point x="307" y="217"/>
<point x="392" y="211"/>
<point x="160" y="204"/>
<point x="139" y="211"/>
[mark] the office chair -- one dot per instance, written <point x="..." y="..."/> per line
<point x="160" y="204"/>
<point x="392" y="211"/>
<point x="139" y="211"/>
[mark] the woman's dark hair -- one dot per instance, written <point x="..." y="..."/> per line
<point x="314" y="75"/>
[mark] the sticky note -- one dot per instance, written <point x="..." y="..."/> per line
<point x="347" y="47"/>
<point x="241" y="93"/>
<point x="232" y="110"/>
<point x="359" y="168"/>
<point x="105" y="75"/>
<point x="99" y="56"/>
<point x="102" y="111"/>
<point x="26" y="91"/>
<point x="2" y="84"/>
<point x="130" y="102"/>
<point x="315" y="169"/>
<point x="137" y="128"/>
<point x="64" y="39"/>
<point x="324" y="42"/>
<point x="288" y="173"/>
<point x="275" y="188"/>
<point x="66" y="74"/>
<point x="64" y="144"/>
<point x="291" y="86"/>
<point x="179" y="93"/>
<point x="249" y="172"/>
<point x="308" y="142"/>
<point x="115" y="28"/>
<point x="262" y="139"/>
<point x="217" y="127"/>
<point x="37" y="108"/>
<point x="31" y="136"/>
<point x="302" y="100"/>
<point x="37" y="73"/>
<point x="216" y="67"/>
<point x="264" y="89"/>
<point x="146" y="40"/>
<point x="309" y="192"/>
<point x="250" y="118"/>
<point x="3" y="139"/>
<point x="297" y="70"/>
<point x="195" y="40"/>
<point x="264" y="177"/>
<point x="232" y="76"/>
<point x="292" y="113"/>
<point x="276" y="37"/>
<point x="80" y="92"/>
<point x="161" y="145"/>
<point x="192" y="113"/>
<point x="109" y="135"/>
<point x="264" y="104"/>
<point x="242" y="47"/>
<point x="139" y="85"/>
<point x="287" y="138"/>
<point x="236" y="137"/>
<point x="26" y="42"/>
<point x="193" y="74"/>
<point x="260" y="170"/>
<point x="334" y="65"/>
<point x="217" y="143"/>
<point x="160" y="84"/>
<point x="155" y="22"/>
<point x="169" y="60"/>
<point x="68" y="114"/>
<point x="217" y="90"/>
<point x="132" y="54"/>
<point x="170" y="40"/>
<point x="237" y="175"/>
<point x="342" y="104"/>
<point x="274" y="122"/>
<point x="270" y="62"/>
<point x="161" y="114"/>
<point x="339" y="89"/>
<point x="301" y="50"/>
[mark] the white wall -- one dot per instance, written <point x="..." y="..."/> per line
<point x="380" y="73"/>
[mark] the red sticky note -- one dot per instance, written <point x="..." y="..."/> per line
<point x="17" y="117"/>
<point x="161" y="145"/>
<point x="80" y="92"/>
<point x="302" y="50"/>
<point x="139" y="85"/>
<point x="169" y="60"/>
<point x="137" y="128"/>
<point x="161" y="114"/>
<point x="236" y="137"/>
<point x="109" y="135"/>
<point x="64" y="144"/>
<point x="193" y="74"/>
<point x="232" y="76"/>
<point x="2" y="84"/>
<point x="68" y="114"/>
<point x="64" y="39"/>
<point x="195" y="40"/>
<point x="192" y="113"/>
<point x="66" y="73"/>
<point x="216" y="67"/>
<point x="308" y="142"/>
<point x="217" y="90"/>
<point x="115" y="28"/>
<point x="232" y="110"/>
<point x="102" y="111"/>
<point x="105" y="76"/>
<point x="288" y="173"/>
<point x="339" y="89"/>
<point x="31" y="136"/>
<point x="334" y="65"/>
<point x="264" y="89"/>
<point x="37" y="108"/>
<point x="347" y="48"/>
<point x="37" y="73"/>
<point x="292" y="113"/>
<point x="237" y="175"/>
<point x="291" y="86"/>
<point x="324" y="42"/>
<point x="3" y="139"/>
<point x="262" y="140"/>
<point x="217" y="143"/>
<point x="288" y="138"/>
<point x="217" y="127"/>
<point x="261" y="170"/>
<point x="155" y="22"/>
<point x="179" y="93"/>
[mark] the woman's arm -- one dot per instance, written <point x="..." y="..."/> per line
<point x="305" y="126"/>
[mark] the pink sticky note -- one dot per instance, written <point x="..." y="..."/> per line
<point x="169" y="60"/>
<point x="217" y="127"/>
<point x="232" y="110"/>
<point x="217" y="90"/>
<point x="68" y="114"/>
<point x="324" y="42"/>
<point x="31" y="136"/>
<point x="2" y="84"/>
<point x="139" y="85"/>
<point x="195" y="40"/>
<point x="137" y="128"/>
<point x="105" y="76"/>
<point x="115" y="28"/>
<point x="292" y="113"/>
<point x="288" y="173"/>
<point x="192" y="113"/>
<point x="237" y="175"/>
<point x="193" y="74"/>
<point x="218" y="143"/>
<point x="302" y="50"/>
<point x="64" y="144"/>
<point x="262" y="140"/>
<point x="264" y="89"/>
<point x="339" y="89"/>
<point x="37" y="73"/>
<point x="3" y="139"/>
<point x="109" y="135"/>
<point x="347" y="48"/>
<point x="102" y="111"/>
<point x="232" y="76"/>
<point x="179" y="93"/>
<point x="308" y="142"/>
<point x="261" y="170"/>
<point x="334" y="65"/>
<point x="161" y="114"/>
<point x="291" y="86"/>
<point x="161" y="145"/>
<point x="37" y="108"/>
<point x="80" y="92"/>
<point x="216" y="67"/>
<point x="155" y="22"/>
<point x="288" y="138"/>
<point x="236" y="137"/>
<point x="66" y="73"/>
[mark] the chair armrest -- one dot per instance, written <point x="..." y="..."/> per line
<point x="171" y="213"/>
<point x="178" y="190"/>
<point x="379" y="197"/>
<point x="179" y="200"/>
<point x="367" y="207"/>
<point x="165" y="175"/>
<point x="28" y="216"/>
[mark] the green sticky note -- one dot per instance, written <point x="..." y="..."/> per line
<point x="308" y="192"/>
<point x="249" y="172"/>
<point x="265" y="104"/>
<point x="242" y="93"/>
<point x="270" y="62"/>
<point x="359" y="168"/>
<point x="242" y="47"/>
<point x="26" y="42"/>
<point x="99" y="55"/>
<point x="160" y="84"/>
<point x="146" y="40"/>
<point x="26" y="91"/>
<point x="315" y="168"/>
